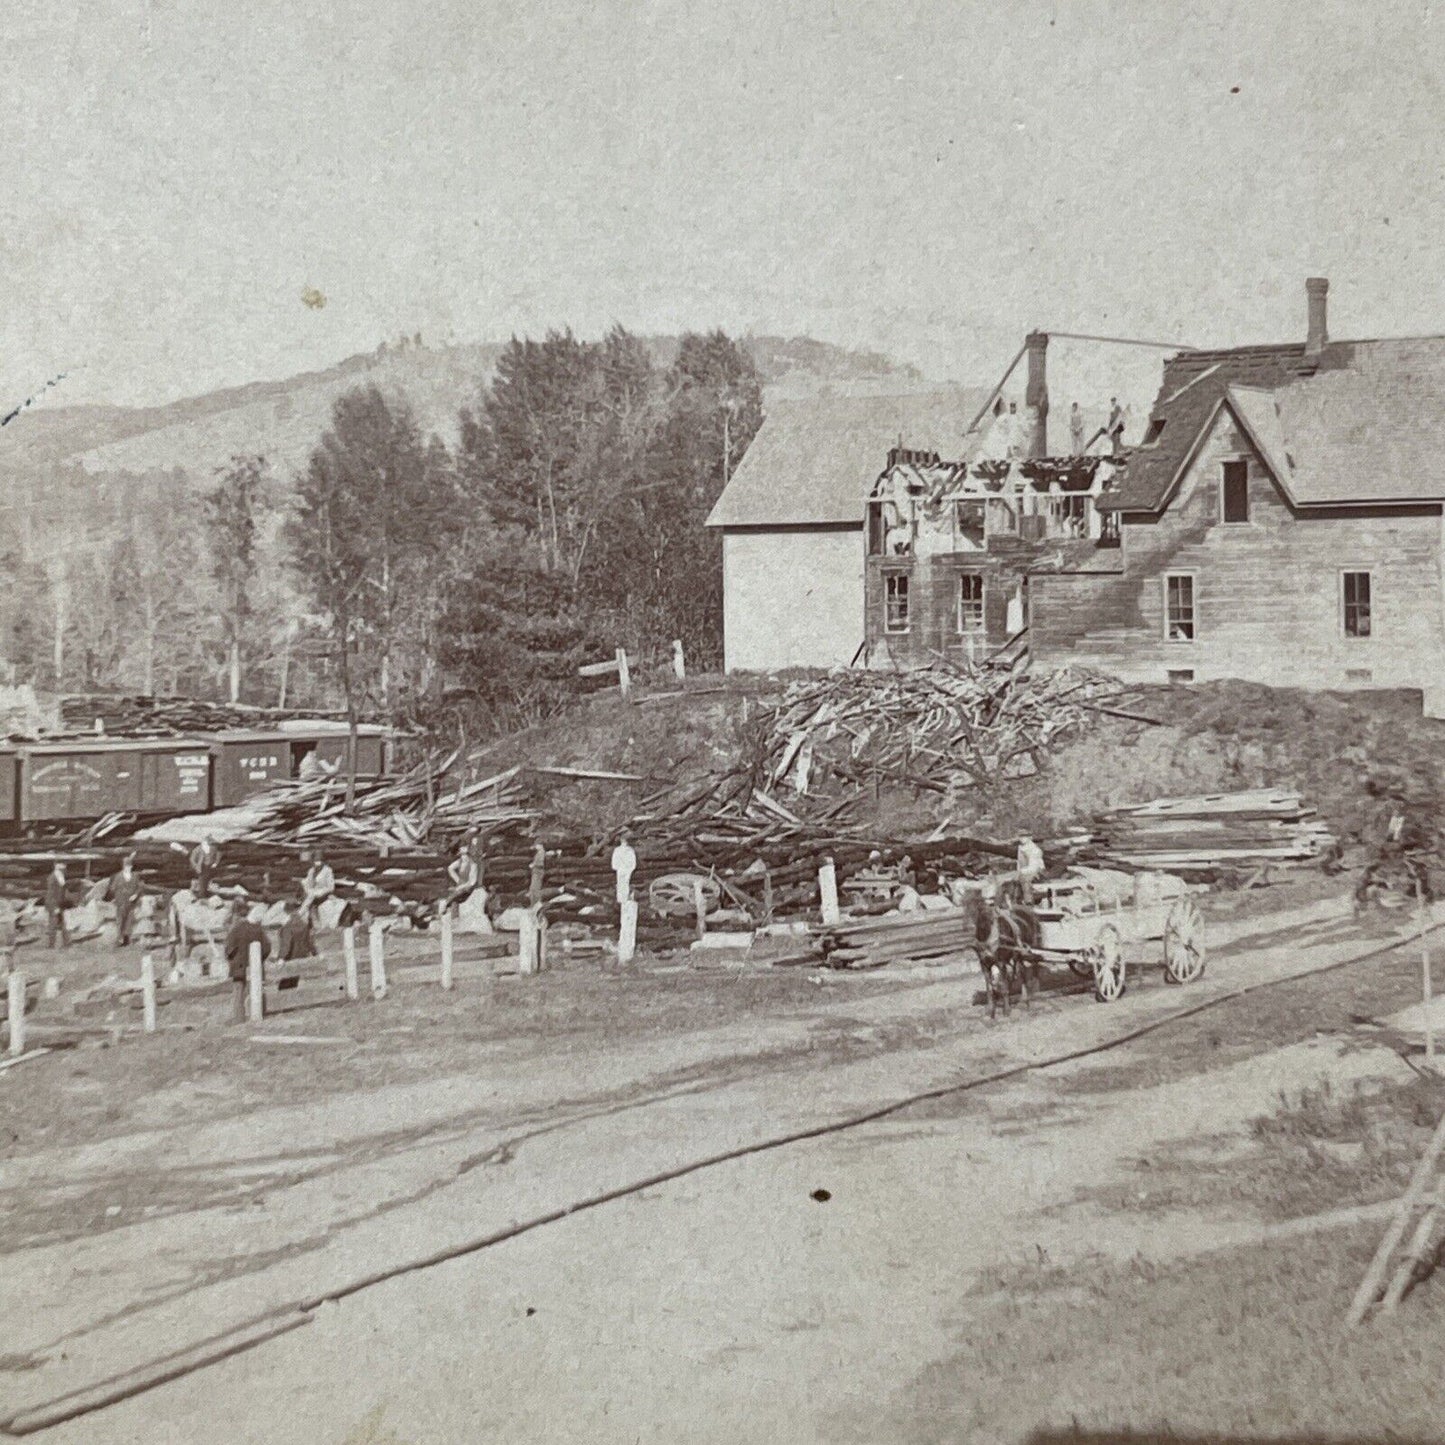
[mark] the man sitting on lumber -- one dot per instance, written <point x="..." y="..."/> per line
<point x="294" y="938"/>
<point x="205" y="859"/>
<point x="319" y="886"/>
<point x="239" y="938"/>
<point x="463" y="875"/>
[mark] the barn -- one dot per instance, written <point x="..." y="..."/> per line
<point x="792" y="520"/>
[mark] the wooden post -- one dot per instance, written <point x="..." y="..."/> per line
<point x="255" y="986"/>
<point x="15" y="1000"/>
<point x="348" y="949"/>
<point x="828" y="891"/>
<point x="1425" y="1175"/>
<point x="699" y="907"/>
<point x="377" y="943"/>
<point x="1425" y="975"/>
<point x="624" y="677"/>
<point x="679" y="666"/>
<point x="446" y="945"/>
<point x="627" y="938"/>
<point x="148" y="992"/>
<point x="528" y="942"/>
<point x="767" y="895"/>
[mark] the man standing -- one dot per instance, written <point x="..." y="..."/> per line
<point x="1115" y="427"/>
<point x="239" y="938"/>
<point x="205" y="859"/>
<point x="1076" y="430"/>
<point x="320" y="885"/>
<point x="125" y="891"/>
<point x="55" y="908"/>
<point x="624" y="865"/>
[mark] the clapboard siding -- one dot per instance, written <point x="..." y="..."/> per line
<point x="1267" y="592"/>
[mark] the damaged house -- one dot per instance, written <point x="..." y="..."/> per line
<point x="1281" y="522"/>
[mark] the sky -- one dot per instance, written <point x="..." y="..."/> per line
<point x="927" y="179"/>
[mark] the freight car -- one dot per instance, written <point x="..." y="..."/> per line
<point x="74" y="780"/>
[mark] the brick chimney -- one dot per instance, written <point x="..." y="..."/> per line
<point x="1317" y="290"/>
<point x="1036" y="394"/>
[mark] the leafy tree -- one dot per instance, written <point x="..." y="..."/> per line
<point x="370" y="510"/>
<point x="234" y="514"/>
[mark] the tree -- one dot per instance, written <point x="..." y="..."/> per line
<point x="370" y="510"/>
<point x="234" y="509"/>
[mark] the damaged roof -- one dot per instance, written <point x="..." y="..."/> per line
<point x="814" y="462"/>
<point x="1364" y="421"/>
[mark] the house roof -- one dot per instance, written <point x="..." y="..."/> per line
<point x="813" y="462"/>
<point x="1365" y="424"/>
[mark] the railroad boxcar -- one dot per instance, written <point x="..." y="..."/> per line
<point x="247" y="762"/>
<point x="74" y="779"/>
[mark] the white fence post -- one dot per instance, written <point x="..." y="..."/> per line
<point x="529" y="942"/>
<point x="627" y="937"/>
<point x="624" y="676"/>
<point x="828" y="891"/>
<point x="15" y="1001"/>
<point x="377" y="943"/>
<point x="446" y="945"/>
<point x="148" y="992"/>
<point x="255" y="986"/>
<point x="348" y="949"/>
<point x="679" y="666"/>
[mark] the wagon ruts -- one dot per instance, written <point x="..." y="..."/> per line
<point x="1088" y="928"/>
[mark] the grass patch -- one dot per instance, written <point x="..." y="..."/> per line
<point x="1247" y="1342"/>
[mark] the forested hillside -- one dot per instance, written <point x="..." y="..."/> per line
<point x="464" y="519"/>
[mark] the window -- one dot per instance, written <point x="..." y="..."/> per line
<point x="895" y="602"/>
<point x="1179" y="607"/>
<point x="970" y="602"/>
<point x="971" y="526"/>
<point x="1156" y="430"/>
<point x="1235" y="492"/>
<point x="1355" y="598"/>
<point x="1069" y="516"/>
<point x="1178" y="676"/>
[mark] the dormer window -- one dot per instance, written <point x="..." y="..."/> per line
<point x="1156" y="430"/>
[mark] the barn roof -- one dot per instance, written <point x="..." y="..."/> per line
<point x="1365" y="423"/>
<point x="812" y="462"/>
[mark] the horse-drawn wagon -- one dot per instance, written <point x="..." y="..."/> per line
<point x="1087" y="920"/>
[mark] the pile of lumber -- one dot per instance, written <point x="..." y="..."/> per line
<point x="895" y="938"/>
<point x="1211" y="831"/>
<point x="163" y="716"/>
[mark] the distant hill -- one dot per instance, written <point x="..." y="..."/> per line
<point x="283" y="419"/>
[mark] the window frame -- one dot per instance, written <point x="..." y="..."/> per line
<point x="1224" y="518"/>
<point x="890" y="577"/>
<point x="981" y="630"/>
<point x="1193" y="578"/>
<point x="1345" y="633"/>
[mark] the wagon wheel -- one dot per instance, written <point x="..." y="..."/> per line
<point x="1106" y="959"/>
<point x="1183" y="943"/>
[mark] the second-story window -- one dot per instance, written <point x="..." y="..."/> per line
<point x="895" y="602"/>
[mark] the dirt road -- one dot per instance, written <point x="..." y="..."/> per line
<point x="785" y="1293"/>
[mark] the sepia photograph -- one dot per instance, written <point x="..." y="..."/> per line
<point x="723" y="722"/>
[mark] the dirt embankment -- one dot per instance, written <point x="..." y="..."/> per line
<point x="1214" y="737"/>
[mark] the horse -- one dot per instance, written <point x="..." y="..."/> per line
<point x="1008" y="936"/>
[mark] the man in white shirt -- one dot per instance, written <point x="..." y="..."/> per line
<point x="624" y="865"/>
<point x="1030" y="866"/>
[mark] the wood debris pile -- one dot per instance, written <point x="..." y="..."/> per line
<point x="1212" y="831"/>
<point x="941" y="729"/>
